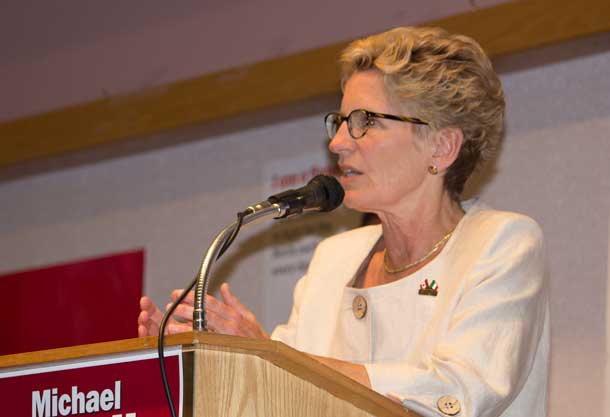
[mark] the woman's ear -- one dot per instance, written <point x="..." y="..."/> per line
<point x="448" y="142"/>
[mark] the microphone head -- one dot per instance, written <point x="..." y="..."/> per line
<point x="322" y="193"/>
<point x="325" y="193"/>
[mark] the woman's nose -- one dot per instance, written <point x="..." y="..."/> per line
<point x="342" y="141"/>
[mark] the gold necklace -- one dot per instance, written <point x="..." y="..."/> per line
<point x="390" y="270"/>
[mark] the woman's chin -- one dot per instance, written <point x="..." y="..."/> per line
<point x="356" y="200"/>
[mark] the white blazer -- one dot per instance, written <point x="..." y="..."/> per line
<point x="481" y="346"/>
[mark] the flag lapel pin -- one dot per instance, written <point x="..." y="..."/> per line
<point x="428" y="288"/>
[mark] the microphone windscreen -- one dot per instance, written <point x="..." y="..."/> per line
<point x="327" y="192"/>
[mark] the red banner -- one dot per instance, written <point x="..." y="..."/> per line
<point x="88" y="301"/>
<point x="125" y="386"/>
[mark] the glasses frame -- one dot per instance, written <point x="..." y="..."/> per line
<point x="370" y="115"/>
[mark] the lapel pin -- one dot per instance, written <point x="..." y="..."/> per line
<point x="428" y="288"/>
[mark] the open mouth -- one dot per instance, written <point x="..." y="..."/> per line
<point x="349" y="172"/>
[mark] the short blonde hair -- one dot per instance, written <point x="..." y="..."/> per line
<point x="447" y="81"/>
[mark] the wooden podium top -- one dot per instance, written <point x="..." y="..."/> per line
<point x="296" y="363"/>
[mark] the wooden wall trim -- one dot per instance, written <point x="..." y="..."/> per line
<point x="502" y="29"/>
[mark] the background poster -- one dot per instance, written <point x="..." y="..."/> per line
<point x="74" y="303"/>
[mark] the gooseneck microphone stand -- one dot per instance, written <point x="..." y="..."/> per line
<point x="217" y="248"/>
<point x="220" y="244"/>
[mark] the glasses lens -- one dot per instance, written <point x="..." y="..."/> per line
<point x="358" y="122"/>
<point x="332" y="122"/>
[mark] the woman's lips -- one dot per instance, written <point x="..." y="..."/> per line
<point x="349" y="171"/>
<point x="349" y="176"/>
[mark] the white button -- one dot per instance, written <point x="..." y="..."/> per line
<point x="448" y="405"/>
<point x="359" y="307"/>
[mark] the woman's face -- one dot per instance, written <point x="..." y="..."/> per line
<point x="388" y="165"/>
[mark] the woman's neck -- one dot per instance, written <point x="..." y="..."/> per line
<point x="410" y="233"/>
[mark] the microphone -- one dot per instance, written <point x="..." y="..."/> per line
<point x="322" y="193"/>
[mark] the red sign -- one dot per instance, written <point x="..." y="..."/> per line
<point x="128" y="385"/>
<point x="76" y="303"/>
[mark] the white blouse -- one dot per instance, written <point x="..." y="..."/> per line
<point x="395" y="313"/>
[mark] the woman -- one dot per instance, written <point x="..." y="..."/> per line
<point x="443" y="306"/>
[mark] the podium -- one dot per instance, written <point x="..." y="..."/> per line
<point x="210" y="375"/>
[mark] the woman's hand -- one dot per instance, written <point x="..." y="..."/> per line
<point x="149" y="319"/>
<point x="228" y="316"/>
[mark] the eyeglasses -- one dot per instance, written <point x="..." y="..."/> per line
<point x="359" y="121"/>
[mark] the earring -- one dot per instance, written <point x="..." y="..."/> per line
<point x="432" y="169"/>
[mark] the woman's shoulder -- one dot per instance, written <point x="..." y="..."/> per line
<point x="480" y="212"/>
<point x="499" y="243"/>
<point x="482" y="222"/>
